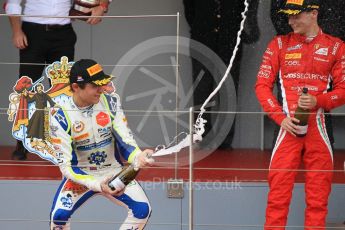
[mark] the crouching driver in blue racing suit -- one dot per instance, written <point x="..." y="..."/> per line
<point x="91" y="133"/>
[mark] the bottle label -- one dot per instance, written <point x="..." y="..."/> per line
<point x="302" y="130"/>
<point x="117" y="184"/>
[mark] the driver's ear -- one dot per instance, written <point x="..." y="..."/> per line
<point x="315" y="13"/>
<point x="74" y="86"/>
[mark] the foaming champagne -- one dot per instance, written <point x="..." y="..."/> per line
<point x="83" y="8"/>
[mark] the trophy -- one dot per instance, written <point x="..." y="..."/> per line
<point x="83" y="8"/>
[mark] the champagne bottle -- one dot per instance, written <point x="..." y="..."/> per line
<point x="123" y="178"/>
<point x="302" y="115"/>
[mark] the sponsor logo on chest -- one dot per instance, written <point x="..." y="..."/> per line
<point x="296" y="47"/>
<point x="102" y="119"/>
<point x="78" y="126"/>
<point x="292" y="63"/>
<point x="81" y="137"/>
<point x="321" y="59"/>
<point x="82" y="142"/>
<point x="322" y="51"/>
<point x="104" y="132"/>
<point x="290" y="56"/>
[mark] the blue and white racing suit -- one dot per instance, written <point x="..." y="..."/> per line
<point x="89" y="143"/>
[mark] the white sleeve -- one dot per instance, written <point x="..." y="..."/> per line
<point x="123" y="135"/>
<point x="13" y="7"/>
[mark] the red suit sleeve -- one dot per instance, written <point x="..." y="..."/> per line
<point x="265" y="81"/>
<point x="336" y="97"/>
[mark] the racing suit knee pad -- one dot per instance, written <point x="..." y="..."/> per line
<point x="60" y="218"/>
<point x="141" y="210"/>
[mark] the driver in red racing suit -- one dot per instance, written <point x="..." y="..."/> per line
<point x="304" y="58"/>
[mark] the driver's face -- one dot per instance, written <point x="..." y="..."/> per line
<point x="302" y="22"/>
<point x="90" y="95"/>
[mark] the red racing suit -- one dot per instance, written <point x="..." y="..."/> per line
<point x="299" y="64"/>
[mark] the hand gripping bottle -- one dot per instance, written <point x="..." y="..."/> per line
<point x="123" y="178"/>
<point x="302" y="115"/>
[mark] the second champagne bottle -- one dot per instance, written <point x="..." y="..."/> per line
<point x="302" y="115"/>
